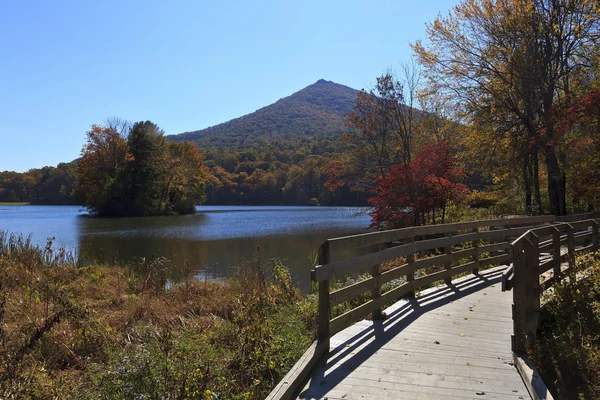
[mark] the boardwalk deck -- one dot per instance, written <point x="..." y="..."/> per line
<point x="450" y="342"/>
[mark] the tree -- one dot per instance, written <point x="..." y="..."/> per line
<point x="143" y="175"/>
<point x="100" y="171"/>
<point x="508" y="62"/>
<point x="382" y="126"/>
<point x="419" y="190"/>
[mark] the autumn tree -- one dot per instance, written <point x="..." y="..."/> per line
<point x="507" y="63"/>
<point x="139" y="175"/>
<point x="579" y="122"/>
<point x="418" y="192"/>
<point x="382" y="126"/>
<point x="101" y="169"/>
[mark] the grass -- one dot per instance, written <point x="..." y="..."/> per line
<point x="567" y="350"/>
<point x="15" y="203"/>
<point x="101" y="331"/>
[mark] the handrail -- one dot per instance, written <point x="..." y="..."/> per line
<point x="528" y="276"/>
<point x="419" y="247"/>
<point x="419" y="240"/>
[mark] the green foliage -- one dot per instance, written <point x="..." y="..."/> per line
<point x="479" y="199"/>
<point x="567" y="351"/>
<point x="47" y="185"/>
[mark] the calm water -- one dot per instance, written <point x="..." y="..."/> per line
<point x="210" y="241"/>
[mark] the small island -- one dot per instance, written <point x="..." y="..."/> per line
<point x="133" y="171"/>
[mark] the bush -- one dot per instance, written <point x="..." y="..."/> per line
<point x="98" y="331"/>
<point x="567" y="351"/>
<point x="477" y="199"/>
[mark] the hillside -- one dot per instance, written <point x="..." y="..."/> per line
<point x="316" y="110"/>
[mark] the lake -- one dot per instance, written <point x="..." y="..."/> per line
<point x="210" y="242"/>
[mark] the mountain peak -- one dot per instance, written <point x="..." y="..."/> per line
<point x="317" y="110"/>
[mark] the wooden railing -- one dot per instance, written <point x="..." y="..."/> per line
<point x="531" y="273"/>
<point x="419" y="248"/>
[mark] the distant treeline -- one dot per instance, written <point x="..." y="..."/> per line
<point x="47" y="185"/>
<point x="283" y="172"/>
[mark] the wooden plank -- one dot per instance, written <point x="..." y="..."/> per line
<point x="547" y="246"/>
<point x="396" y="293"/>
<point x="445" y="241"/>
<point x="448" y="264"/>
<point x="545" y="266"/>
<point x="350" y="292"/>
<point x="356" y="314"/>
<point x="582" y="225"/>
<point x="502" y="233"/>
<point x="578" y="217"/>
<point x="361" y="263"/>
<point x="571" y="245"/>
<point x="426" y="262"/>
<point x="584" y="250"/>
<point x="548" y="283"/>
<point x="556" y="252"/>
<point x="297" y="375"/>
<point x="500" y="260"/>
<point x="532" y="379"/>
<point x="437" y="276"/>
<point x="508" y="278"/>
<point x="372" y="238"/>
<point x="489" y="248"/>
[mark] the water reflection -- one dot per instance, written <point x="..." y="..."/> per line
<point x="209" y="242"/>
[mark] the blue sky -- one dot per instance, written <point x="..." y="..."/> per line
<point x="184" y="65"/>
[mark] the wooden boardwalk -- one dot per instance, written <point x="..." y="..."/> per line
<point x="450" y="342"/>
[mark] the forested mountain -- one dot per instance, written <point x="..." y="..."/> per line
<point x="282" y="153"/>
<point x="316" y="111"/>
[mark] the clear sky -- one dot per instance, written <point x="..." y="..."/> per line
<point x="184" y="65"/>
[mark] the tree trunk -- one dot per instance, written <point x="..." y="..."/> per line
<point x="536" y="182"/>
<point x="526" y="184"/>
<point x="555" y="184"/>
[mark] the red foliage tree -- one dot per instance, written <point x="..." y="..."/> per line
<point x="579" y="124"/>
<point x="413" y="193"/>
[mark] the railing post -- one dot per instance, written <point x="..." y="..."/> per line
<point x="519" y="294"/>
<point x="526" y="291"/>
<point x="595" y="238"/>
<point x="410" y="276"/>
<point x="476" y="256"/>
<point x="376" y="292"/>
<point x="324" y="301"/>
<point x="533" y="289"/>
<point x="571" y="248"/>
<point x="448" y="265"/>
<point x="556" y="254"/>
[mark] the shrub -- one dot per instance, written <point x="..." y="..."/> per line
<point x="567" y="351"/>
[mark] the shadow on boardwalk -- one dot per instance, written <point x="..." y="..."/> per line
<point x="379" y="333"/>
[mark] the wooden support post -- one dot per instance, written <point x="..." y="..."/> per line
<point x="448" y="265"/>
<point x="324" y="301"/>
<point x="556" y="254"/>
<point x="476" y="256"/>
<point x="410" y="276"/>
<point x="532" y="251"/>
<point x="571" y="249"/>
<point x="519" y="297"/>
<point x="376" y="273"/>
<point x="595" y="238"/>
<point x="376" y="292"/>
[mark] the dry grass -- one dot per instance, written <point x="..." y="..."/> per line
<point x="102" y="331"/>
